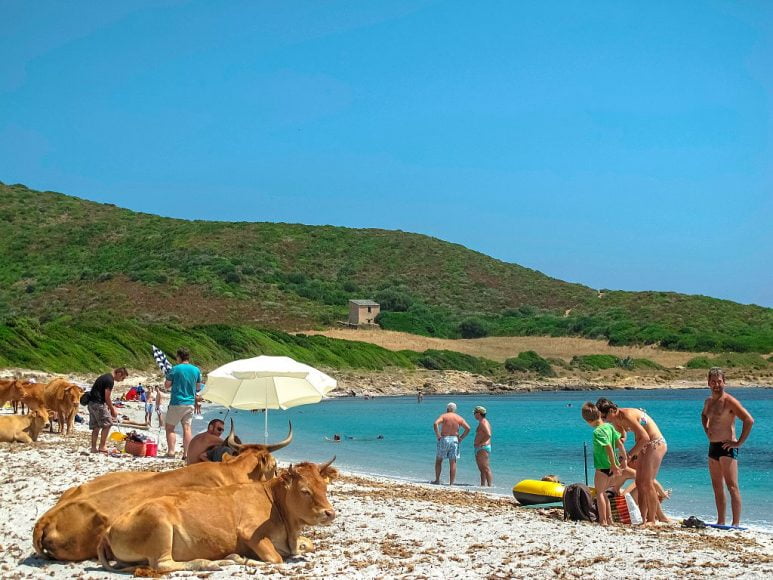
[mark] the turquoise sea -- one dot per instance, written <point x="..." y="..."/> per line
<point x="533" y="434"/>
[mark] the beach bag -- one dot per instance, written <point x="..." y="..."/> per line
<point x="633" y="510"/>
<point x="579" y="504"/>
<point x="86" y="398"/>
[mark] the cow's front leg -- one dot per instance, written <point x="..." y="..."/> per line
<point x="266" y="551"/>
<point x="166" y="566"/>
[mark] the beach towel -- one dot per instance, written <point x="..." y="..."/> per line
<point x="163" y="363"/>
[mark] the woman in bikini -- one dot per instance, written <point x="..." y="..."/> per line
<point x="648" y="452"/>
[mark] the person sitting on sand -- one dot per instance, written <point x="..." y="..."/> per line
<point x="200" y="445"/>
<point x="650" y="448"/>
<point x="448" y="440"/>
<point x="101" y="409"/>
<point x="482" y="444"/>
<point x="605" y="439"/>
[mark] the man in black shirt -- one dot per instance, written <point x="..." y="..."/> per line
<point x="101" y="410"/>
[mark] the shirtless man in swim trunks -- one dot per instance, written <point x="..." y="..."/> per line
<point x="718" y="417"/>
<point x="448" y="440"/>
<point x="482" y="445"/>
<point x="203" y="442"/>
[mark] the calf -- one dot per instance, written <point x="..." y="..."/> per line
<point x="24" y="428"/>
<point x="203" y="529"/>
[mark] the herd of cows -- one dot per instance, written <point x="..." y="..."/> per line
<point x="198" y="517"/>
<point x="58" y="399"/>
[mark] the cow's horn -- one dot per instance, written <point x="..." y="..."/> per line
<point x="231" y="439"/>
<point x="326" y="465"/>
<point x="284" y="443"/>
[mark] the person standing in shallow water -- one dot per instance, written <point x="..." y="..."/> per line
<point x="718" y="418"/>
<point x="482" y="446"/>
<point x="448" y="440"/>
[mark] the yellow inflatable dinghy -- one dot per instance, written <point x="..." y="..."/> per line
<point x="532" y="492"/>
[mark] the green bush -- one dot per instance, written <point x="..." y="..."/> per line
<point x="452" y="360"/>
<point x="594" y="362"/>
<point x="730" y="360"/>
<point x="472" y="328"/>
<point x="530" y="361"/>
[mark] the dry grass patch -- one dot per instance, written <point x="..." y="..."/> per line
<point x="499" y="348"/>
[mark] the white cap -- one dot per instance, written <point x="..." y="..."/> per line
<point x="451" y="407"/>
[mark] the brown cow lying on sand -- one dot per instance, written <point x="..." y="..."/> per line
<point x="62" y="397"/>
<point x="22" y="428"/>
<point x="204" y="529"/>
<point x="72" y="529"/>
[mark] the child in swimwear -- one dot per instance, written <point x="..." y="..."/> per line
<point x="605" y="439"/>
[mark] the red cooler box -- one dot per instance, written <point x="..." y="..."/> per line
<point x="151" y="449"/>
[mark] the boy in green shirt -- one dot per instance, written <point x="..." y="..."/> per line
<point x="605" y="438"/>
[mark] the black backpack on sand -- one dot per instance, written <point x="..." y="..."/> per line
<point x="579" y="504"/>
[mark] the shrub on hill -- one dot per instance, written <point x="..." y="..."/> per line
<point x="530" y="361"/>
<point x="452" y="360"/>
<point x="730" y="360"/>
<point x="594" y="362"/>
<point x="472" y="328"/>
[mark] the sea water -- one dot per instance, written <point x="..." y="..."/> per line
<point x="534" y="434"/>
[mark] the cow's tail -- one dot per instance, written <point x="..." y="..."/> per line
<point x="105" y="554"/>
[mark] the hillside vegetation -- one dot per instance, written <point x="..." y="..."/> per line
<point x="64" y="261"/>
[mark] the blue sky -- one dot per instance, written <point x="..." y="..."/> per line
<point x="616" y="144"/>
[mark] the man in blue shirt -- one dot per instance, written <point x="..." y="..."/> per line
<point x="185" y="381"/>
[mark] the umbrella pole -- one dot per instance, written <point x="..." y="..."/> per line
<point x="265" y="426"/>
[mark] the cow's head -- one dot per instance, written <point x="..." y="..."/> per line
<point x="72" y="394"/>
<point x="306" y="487"/>
<point x="38" y="420"/>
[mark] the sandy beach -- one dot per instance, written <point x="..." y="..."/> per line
<point x="386" y="529"/>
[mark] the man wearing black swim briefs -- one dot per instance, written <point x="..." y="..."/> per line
<point x="718" y="417"/>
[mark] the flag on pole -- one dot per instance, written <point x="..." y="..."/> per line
<point x="163" y="363"/>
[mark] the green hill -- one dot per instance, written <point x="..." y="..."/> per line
<point x="67" y="259"/>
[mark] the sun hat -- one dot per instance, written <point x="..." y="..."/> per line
<point x="480" y="409"/>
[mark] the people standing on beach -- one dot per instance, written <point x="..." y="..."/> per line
<point x="203" y="442"/>
<point x="447" y="428"/>
<point x="646" y="455"/>
<point x="605" y="439"/>
<point x="150" y="396"/>
<point x="718" y="418"/>
<point x="159" y="402"/>
<point x="101" y="410"/>
<point x="482" y="444"/>
<point x="185" y="382"/>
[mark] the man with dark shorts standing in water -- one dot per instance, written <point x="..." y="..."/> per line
<point x="718" y="417"/>
<point x="448" y="440"/>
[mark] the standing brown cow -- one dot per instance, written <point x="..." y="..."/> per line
<point x="62" y="397"/>
<point x="10" y="391"/>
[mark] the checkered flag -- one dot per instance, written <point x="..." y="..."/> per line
<point x="163" y="363"/>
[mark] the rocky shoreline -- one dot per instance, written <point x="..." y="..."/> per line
<point x="402" y="382"/>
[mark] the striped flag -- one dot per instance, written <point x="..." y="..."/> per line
<point x="163" y="363"/>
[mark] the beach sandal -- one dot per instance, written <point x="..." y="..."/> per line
<point x="693" y="522"/>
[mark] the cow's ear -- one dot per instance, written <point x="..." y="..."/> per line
<point x="329" y="473"/>
<point x="227" y="457"/>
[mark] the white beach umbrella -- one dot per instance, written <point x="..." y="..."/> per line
<point x="266" y="382"/>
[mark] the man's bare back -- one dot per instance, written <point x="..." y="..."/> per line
<point x="199" y="445"/>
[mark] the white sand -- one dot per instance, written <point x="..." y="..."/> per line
<point x="386" y="529"/>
